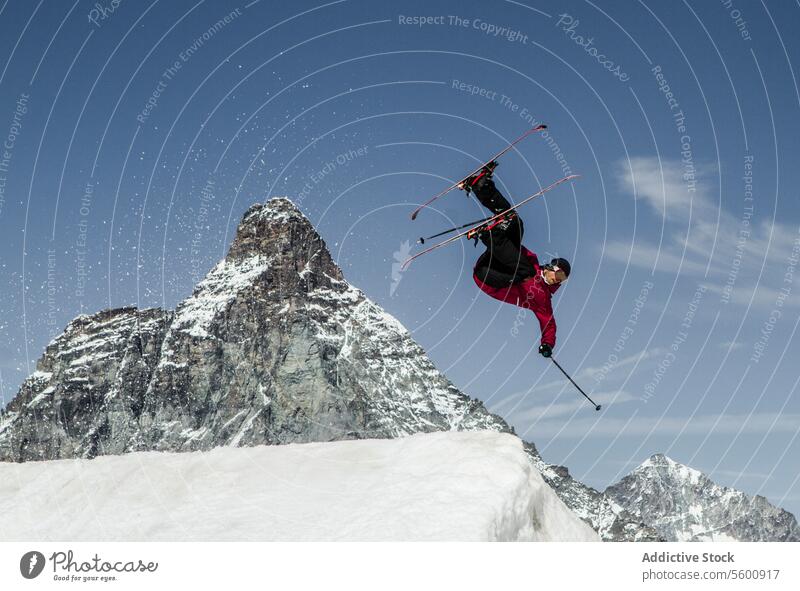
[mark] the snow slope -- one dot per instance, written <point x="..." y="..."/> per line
<point x="437" y="486"/>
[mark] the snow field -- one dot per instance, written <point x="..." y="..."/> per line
<point x="477" y="486"/>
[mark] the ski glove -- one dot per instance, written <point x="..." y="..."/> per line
<point x="545" y="350"/>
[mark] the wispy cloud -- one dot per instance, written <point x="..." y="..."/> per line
<point x="703" y="239"/>
<point x="731" y="345"/>
<point x="639" y="357"/>
<point x="740" y="475"/>
<point x="605" y="426"/>
<point x="761" y="295"/>
<point x="557" y="409"/>
<point x="647" y="256"/>
<point x="585" y="375"/>
<point x="661" y="185"/>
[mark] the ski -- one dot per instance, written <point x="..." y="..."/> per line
<point x="488" y="221"/>
<point x="477" y="170"/>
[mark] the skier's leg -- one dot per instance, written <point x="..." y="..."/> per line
<point x="489" y="196"/>
<point x="504" y="242"/>
<point x="503" y="261"/>
<point x="490" y="273"/>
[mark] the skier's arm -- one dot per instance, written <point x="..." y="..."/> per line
<point x="544" y="313"/>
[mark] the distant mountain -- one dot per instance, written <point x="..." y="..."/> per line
<point x="683" y="504"/>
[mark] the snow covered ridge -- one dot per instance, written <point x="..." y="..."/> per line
<point x="214" y="293"/>
<point x="683" y="504"/>
<point x="476" y="486"/>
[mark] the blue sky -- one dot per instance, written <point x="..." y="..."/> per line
<point x="136" y="137"/>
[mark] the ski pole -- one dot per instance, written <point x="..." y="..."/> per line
<point x="596" y="406"/>
<point x="422" y="240"/>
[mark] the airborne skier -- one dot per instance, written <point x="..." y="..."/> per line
<point x="507" y="270"/>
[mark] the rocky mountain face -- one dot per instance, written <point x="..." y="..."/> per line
<point x="88" y="392"/>
<point x="273" y="346"/>
<point x="683" y="504"/>
<point x="613" y="522"/>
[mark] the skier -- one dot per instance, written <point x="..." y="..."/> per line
<point x="507" y="270"/>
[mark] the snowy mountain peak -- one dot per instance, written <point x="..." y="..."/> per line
<point x="295" y="255"/>
<point x="683" y="504"/>
<point x="278" y="210"/>
<point x="273" y="346"/>
<point x="657" y="460"/>
<point x="668" y="468"/>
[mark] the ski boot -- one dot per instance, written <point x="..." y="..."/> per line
<point x="501" y="224"/>
<point x="486" y="171"/>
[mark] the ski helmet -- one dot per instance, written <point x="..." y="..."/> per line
<point x="562" y="264"/>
